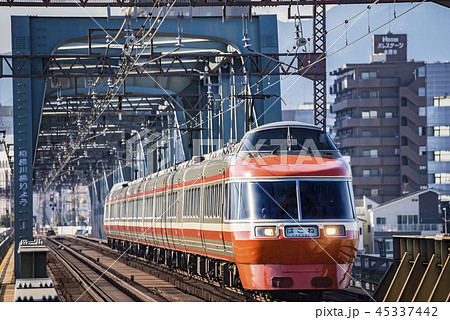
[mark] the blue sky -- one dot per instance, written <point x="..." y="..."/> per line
<point x="427" y="27"/>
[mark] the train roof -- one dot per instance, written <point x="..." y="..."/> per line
<point x="280" y="124"/>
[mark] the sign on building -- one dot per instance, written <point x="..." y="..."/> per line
<point x="392" y="45"/>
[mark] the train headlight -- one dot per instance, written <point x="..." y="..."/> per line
<point x="266" y="232"/>
<point x="334" y="231"/>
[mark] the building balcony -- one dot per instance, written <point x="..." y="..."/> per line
<point x="376" y="180"/>
<point x="342" y="104"/>
<point x="408" y="227"/>
<point x="368" y="141"/>
<point x="380" y="161"/>
<point x="413" y="155"/>
<point x="359" y="122"/>
<point x="350" y="83"/>
<point x="414" y="175"/>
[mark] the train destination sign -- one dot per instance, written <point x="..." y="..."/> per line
<point x="301" y="232"/>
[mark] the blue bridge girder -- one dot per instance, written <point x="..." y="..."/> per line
<point x="34" y="96"/>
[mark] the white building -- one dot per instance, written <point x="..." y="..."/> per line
<point x="415" y="214"/>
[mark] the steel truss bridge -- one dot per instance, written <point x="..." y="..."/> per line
<point x="62" y="79"/>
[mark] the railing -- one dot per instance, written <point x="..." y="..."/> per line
<point x="368" y="271"/>
<point x="408" y="227"/>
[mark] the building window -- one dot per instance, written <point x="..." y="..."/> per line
<point x="422" y="111"/>
<point x="407" y="219"/>
<point x="370" y="153"/>
<point x="421" y="72"/>
<point x="423" y="151"/>
<point x="381" y="221"/>
<point x="372" y="94"/>
<point x="442" y="178"/>
<point x="403" y="102"/>
<point x="374" y="192"/>
<point x="396" y="152"/>
<point x="404" y="161"/>
<point x="441" y="101"/>
<point x="441" y="131"/>
<point x="371" y="173"/>
<point x="372" y="114"/>
<point x="388" y="115"/>
<point x="404" y="141"/>
<point x="368" y="75"/>
<point x="369" y="133"/>
<point x="422" y="131"/>
<point x="404" y="122"/>
<point x="423" y="169"/>
<point x="441" y="155"/>
<point x="422" y="92"/>
<point x="388" y="244"/>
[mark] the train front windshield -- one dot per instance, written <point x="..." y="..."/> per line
<point x="325" y="200"/>
<point x="319" y="200"/>
<point x="269" y="200"/>
<point x="291" y="139"/>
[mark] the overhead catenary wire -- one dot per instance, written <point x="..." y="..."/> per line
<point x="91" y="121"/>
<point x="325" y="55"/>
<point x="305" y="69"/>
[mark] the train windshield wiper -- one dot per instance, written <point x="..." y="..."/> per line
<point x="276" y="149"/>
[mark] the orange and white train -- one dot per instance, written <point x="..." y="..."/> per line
<point x="274" y="212"/>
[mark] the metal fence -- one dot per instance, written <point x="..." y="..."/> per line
<point x="408" y="227"/>
<point x="368" y="271"/>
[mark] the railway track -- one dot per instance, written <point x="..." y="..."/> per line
<point x="96" y="282"/>
<point x="209" y="290"/>
<point x="172" y="285"/>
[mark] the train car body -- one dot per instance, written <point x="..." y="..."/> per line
<point x="274" y="212"/>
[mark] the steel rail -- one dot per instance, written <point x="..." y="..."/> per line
<point x="104" y="273"/>
<point x="83" y="280"/>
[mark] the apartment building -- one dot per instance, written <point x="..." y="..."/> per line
<point x="381" y="124"/>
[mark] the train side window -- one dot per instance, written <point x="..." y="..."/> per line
<point x="188" y="203"/>
<point x="233" y="197"/>
<point x="213" y="201"/>
<point x="148" y="208"/>
<point x="167" y="207"/>
<point x="160" y="206"/>
<point x="197" y="215"/>
<point x="194" y="200"/>
<point x="129" y="204"/>
<point x="175" y="203"/>
<point x="209" y="207"/>
<point x="206" y="202"/>
<point x="112" y="211"/>
<point x="219" y="202"/>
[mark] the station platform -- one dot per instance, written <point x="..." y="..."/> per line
<point x="7" y="277"/>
